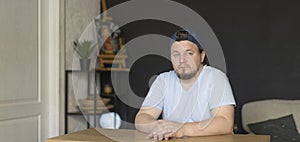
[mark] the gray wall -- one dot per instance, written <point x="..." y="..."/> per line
<point x="76" y="15"/>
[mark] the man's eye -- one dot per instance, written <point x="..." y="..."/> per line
<point x="189" y="53"/>
<point x="176" y="55"/>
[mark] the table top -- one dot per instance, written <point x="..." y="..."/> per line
<point x="128" y="135"/>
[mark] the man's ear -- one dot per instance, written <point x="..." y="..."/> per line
<point x="202" y="56"/>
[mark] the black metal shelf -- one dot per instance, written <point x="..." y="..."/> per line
<point x="103" y="95"/>
<point x="78" y="113"/>
<point x="107" y="95"/>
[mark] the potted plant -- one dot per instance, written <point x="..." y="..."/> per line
<point x="84" y="49"/>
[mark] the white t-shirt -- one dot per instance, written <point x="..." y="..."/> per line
<point x="211" y="89"/>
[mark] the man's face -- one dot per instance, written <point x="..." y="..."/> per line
<point x="186" y="59"/>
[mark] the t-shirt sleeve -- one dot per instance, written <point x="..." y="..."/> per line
<point x="221" y="92"/>
<point x="155" y="97"/>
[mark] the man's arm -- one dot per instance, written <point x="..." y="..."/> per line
<point x="221" y="123"/>
<point x="146" y="119"/>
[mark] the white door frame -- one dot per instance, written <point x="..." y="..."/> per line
<point x="54" y="66"/>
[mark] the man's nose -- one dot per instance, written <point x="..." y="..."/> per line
<point x="182" y="58"/>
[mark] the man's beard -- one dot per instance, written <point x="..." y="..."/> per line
<point x="186" y="76"/>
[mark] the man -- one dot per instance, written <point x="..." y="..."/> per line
<point x="194" y="99"/>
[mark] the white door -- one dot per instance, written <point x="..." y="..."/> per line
<point x="25" y="70"/>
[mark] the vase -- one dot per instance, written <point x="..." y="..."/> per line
<point x="85" y="64"/>
<point x="107" y="89"/>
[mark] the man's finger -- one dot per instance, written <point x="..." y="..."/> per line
<point x="155" y="137"/>
<point x="167" y="136"/>
<point x="160" y="137"/>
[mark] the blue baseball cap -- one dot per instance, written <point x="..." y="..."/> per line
<point x="186" y="35"/>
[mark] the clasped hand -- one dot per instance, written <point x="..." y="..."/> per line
<point x="166" y="129"/>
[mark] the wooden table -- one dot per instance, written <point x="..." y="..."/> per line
<point x="126" y="135"/>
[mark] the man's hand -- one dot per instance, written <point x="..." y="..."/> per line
<point x="166" y="129"/>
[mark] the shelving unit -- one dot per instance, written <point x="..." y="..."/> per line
<point x="116" y="73"/>
<point x="71" y="107"/>
<point x="94" y="115"/>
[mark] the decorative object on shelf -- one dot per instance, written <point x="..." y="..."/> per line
<point x="110" y="120"/>
<point x="84" y="50"/>
<point x="109" y="35"/>
<point x="107" y="89"/>
<point x="113" y="61"/>
<point x="87" y="105"/>
<point x="108" y="32"/>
